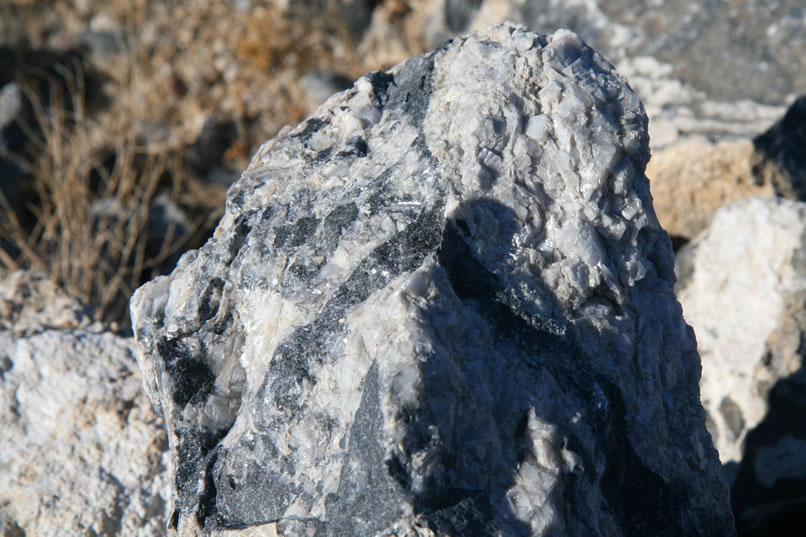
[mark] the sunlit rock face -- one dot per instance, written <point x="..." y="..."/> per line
<point x="442" y="305"/>
<point x="82" y="453"/>
<point x="750" y="336"/>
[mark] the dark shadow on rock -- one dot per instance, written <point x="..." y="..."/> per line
<point x="526" y="349"/>
<point x="783" y="147"/>
<point x="769" y="494"/>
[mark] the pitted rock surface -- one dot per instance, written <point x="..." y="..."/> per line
<point x="442" y="305"/>
<point x="82" y="452"/>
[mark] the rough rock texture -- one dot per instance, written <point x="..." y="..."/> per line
<point x="442" y="305"/>
<point x="723" y="70"/>
<point x="743" y="289"/>
<point x="81" y="451"/>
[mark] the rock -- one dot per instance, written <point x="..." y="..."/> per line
<point x="729" y="54"/>
<point x="693" y="178"/>
<point x="442" y="305"/>
<point x="700" y="69"/>
<point x="780" y="158"/>
<point x="30" y="303"/>
<point x="743" y="289"/>
<point x="206" y="154"/>
<point x="81" y="451"/>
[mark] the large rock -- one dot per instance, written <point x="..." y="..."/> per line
<point x="743" y="289"/>
<point x="442" y="305"/>
<point x="81" y="451"/>
<point x="702" y="69"/>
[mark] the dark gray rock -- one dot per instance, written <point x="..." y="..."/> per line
<point x="442" y="305"/>
<point x="780" y="152"/>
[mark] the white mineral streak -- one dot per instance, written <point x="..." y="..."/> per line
<point x="81" y="451"/>
<point x="440" y="306"/>
<point x="750" y="254"/>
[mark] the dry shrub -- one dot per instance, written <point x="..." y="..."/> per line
<point x="90" y="230"/>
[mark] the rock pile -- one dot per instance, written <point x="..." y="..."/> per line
<point x="442" y="305"/>
<point x="81" y="451"/>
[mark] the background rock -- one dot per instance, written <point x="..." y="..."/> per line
<point x="780" y="158"/>
<point x="440" y="306"/>
<point x="693" y="178"/>
<point x="81" y="451"/>
<point x="318" y="86"/>
<point x="743" y="289"/>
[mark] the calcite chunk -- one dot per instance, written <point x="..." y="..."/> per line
<point x="442" y="305"/>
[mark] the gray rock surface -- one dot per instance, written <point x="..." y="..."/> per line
<point x="717" y="69"/>
<point x="743" y="289"/>
<point x="81" y="451"/>
<point x="442" y="305"/>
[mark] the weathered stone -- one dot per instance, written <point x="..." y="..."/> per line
<point x="81" y="451"/>
<point x="743" y="289"/>
<point x="442" y="305"/>
<point x="693" y="178"/>
<point x="701" y="69"/>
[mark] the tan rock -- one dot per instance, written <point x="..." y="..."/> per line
<point x="690" y="180"/>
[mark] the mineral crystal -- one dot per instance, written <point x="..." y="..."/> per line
<point x="442" y="305"/>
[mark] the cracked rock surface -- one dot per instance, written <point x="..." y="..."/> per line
<point x="442" y="305"/>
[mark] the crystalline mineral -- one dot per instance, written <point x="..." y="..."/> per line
<point x="442" y="305"/>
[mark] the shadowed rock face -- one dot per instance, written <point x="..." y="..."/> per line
<point x="442" y="305"/>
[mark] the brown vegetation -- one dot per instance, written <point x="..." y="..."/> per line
<point x="94" y="166"/>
